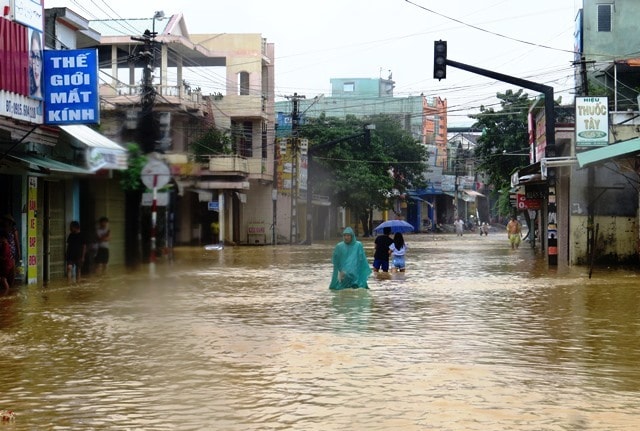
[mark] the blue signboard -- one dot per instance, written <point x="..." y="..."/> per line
<point x="213" y="206"/>
<point x="71" y="87"/>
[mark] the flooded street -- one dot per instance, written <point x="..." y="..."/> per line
<point x="474" y="336"/>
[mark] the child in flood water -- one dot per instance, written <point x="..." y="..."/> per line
<point x="398" y="250"/>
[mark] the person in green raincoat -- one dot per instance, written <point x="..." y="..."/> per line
<point x="350" y="266"/>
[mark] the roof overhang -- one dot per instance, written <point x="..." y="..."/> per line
<point x="103" y="152"/>
<point x="630" y="148"/>
<point x="528" y="175"/>
<point x="474" y="193"/>
<point x="45" y="166"/>
<point x="464" y="196"/>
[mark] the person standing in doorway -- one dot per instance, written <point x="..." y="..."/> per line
<point x="7" y="265"/>
<point x="514" y="232"/>
<point x="381" y="253"/>
<point x="350" y="266"/>
<point x="9" y="231"/>
<point x="103" y="234"/>
<point x="76" y="251"/>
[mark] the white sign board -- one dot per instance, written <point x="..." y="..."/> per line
<point x="155" y="174"/>
<point x="592" y="121"/>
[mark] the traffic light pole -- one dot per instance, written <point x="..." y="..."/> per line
<point x="550" y="126"/>
<point x="550" y="134"/>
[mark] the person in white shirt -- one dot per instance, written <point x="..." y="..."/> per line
<point x="459" y="225"/>
<point x="398" y="250"/>
<point x="104" y="235"/>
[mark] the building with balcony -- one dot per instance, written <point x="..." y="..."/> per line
<point x="52" y="173"/>
<point x="201" y="81"/>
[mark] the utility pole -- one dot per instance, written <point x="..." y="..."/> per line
<point x="295" y="166"/>
<point x="591" y="178"/>
<point x="147" y="130"/>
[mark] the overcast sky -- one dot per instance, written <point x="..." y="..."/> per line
<point x="319" y="40"/>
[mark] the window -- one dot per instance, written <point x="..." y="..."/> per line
<point x="349" y="87"/>
<point x="243" y="83"/>
<point x="243" y="138"/>
<point x="264" y="140"/>
<point x="604" y="17"/>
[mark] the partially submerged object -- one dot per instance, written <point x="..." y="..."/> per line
<point x="7" y="415"/>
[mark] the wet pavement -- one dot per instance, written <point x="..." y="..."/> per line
<point x="474" y="336"/>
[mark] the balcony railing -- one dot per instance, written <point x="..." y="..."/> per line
<point x="228" y="164"/>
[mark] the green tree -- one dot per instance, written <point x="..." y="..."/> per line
<point x="130" y="179"/>
<point x="504" y="138"/>
<point x="362" y="176"/>
<point x="211" y="142"/>
<point x="131" y="183"/>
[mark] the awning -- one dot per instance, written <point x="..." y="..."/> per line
<point x="47" y="166"/>
<point x="103" y="153"/>
<point x="474" y="193"/>
<point x="531" y="174"/>
<point x="418" y="198"/>
<point x="610" y="152"/>
<point x="465" y="197"/>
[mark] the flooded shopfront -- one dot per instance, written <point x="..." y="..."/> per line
<point x="474" y="336"/>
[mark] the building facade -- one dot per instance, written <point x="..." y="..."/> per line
<point x="51" y="174"/>
<point x="231" y="190"/>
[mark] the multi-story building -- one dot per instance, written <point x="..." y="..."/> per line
<point x="587" y="182"/>
<point x="202" y="81"/>
<point x="51" y="174"/>
<point x="54" y="174"/>
<point x="604" y="206"/>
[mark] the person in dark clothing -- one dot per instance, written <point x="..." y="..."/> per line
<point x="9" y="260"/>
<point x="7" y="265"/>
<point x="76" y="251"/>
<point x="381" y="254"/>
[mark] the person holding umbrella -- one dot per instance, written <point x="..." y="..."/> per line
<point x="381" y="254"/>
<point x="350" y="266"/>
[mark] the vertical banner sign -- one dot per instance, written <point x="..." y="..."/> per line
<point x="32" y="230"/>
<point x="552" y="223"/>
<point x="71" y="87"/>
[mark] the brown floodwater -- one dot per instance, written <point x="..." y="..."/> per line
<point x="474" y="336"/>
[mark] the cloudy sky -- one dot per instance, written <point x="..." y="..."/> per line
<point x="319" y="40"/>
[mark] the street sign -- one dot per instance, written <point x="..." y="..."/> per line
<point x="213" y="206"/>
<point x="155" y="173"/>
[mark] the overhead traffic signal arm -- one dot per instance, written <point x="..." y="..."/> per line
<point x="440" y="63"/>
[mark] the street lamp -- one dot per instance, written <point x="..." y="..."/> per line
<point x="504" y="153"/>
<point x="158" y="15"/>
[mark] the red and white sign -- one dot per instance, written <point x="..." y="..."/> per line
<point x="528" y="204"/>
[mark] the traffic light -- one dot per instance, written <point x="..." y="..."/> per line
<point x="439" y="59"/>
